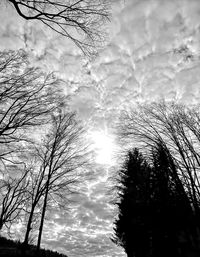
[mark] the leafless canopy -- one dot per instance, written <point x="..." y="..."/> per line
<point x="58" y="161"/>
<point x="25" y="100"/>
<point x="13" y="197"/>
<point x="67" y="16"/>
<point x="176" y="127"/>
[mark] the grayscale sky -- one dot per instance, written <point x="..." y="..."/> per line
<point x="152" y="52"/>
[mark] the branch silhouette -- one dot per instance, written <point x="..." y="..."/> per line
<point x="79" y="20"/>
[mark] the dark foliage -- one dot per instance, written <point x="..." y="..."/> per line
<point x="175" y="126"/>
<point x="133" y="205"/>
<point x="155" y="213"/>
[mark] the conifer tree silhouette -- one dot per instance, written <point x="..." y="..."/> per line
<point x="156" y="217"/>
<point x="171" y="209"/>
<point x="131" y="227"/>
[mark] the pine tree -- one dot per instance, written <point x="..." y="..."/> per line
<point x="131" y="225"/>
<point x="171" y="209"/>
<point x="155" y="211"/>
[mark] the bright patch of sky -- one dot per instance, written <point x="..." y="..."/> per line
<point x="104" y="147"/>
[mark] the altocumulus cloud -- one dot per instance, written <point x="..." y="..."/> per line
<point x="86" y="228"/>
<point x="152" y="53"/>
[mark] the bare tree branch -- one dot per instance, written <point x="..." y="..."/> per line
<point x="58" y="159"/>
<point x="69" y="17"/>
<point x="175" y="126"/>
<point x="25" y="100"/>
<point x="13" y="192"/>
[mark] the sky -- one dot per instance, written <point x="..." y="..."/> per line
<point x="152" y="52"/>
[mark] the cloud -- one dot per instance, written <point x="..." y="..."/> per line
<point x="153" y="52"/>
<point x="11" y="27"/>
<point x="84" y="230"/>
<point x="154" y="45"/>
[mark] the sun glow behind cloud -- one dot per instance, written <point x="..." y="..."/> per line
<point x="104" y="147"/>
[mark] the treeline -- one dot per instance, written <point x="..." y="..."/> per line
<point x="158" y="185"/>
<point x="42" y="148"/>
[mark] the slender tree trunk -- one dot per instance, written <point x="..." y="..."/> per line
<point x="46" y="195"/>
<point x="28" y="228"/>
<point x="1" y="224"/>
<point x="43" y="216"/>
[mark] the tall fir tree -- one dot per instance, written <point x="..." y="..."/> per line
<point x="134" y="198"/>
<point x="171" y="208"/>
<point x="155" y="212"/>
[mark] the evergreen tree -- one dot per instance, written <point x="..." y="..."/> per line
<point x="155" y="212"/>
<point x="171" y="209"/>
<point x="131" y="225"/>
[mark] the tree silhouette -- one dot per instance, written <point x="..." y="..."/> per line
<point x="25" y="102"/>
<point x="28" y="97"/>
<point x="62" y="154"/>
<point x="156" y="217"/>
<point x="131" y="229"/>
<point x="67" y="17"/>
<point x="58" y="160"/>
<point x="177" y="127"/>
<point x="13" y="196"/>
<point x="172" y="214"/>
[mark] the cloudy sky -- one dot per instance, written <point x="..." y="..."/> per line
<point x="153" y="52"/>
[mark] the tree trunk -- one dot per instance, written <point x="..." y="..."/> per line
<point x="43" y="216"/>
<point x="28" y="228"/>
<point x="1" y="224"/>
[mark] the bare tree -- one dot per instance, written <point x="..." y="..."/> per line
<point x="25" y="100"/>
<point x="59" y="159"/>
<point x="35" y="191"/>
<point x="175" y="126"/>
<point x="13" y="196"/>
<point x="27" y="97"/>
<point x="68" y="16"/>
